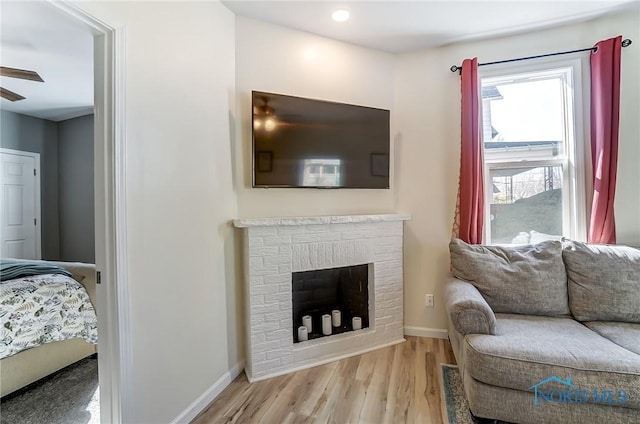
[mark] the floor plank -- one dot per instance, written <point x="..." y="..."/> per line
<point x="397" y="384"/>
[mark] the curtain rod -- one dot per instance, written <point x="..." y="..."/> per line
<point x="626" y="42"/>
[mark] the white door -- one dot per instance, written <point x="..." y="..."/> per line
<point x="20" y="207"/>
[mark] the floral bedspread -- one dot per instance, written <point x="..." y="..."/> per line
<point x="41" y="309"/>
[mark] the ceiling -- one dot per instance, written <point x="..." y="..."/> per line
<point x="403" y="26"/>
<point x="34" y="35"/>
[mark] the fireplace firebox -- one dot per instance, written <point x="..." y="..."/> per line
<point x="319" y="292"/>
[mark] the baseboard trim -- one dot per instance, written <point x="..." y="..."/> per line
<point x="434" y="333"/>
<point x="209" y="395"/>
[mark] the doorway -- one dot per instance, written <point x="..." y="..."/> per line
<point x="114" y="360"/>
<point x="110" y="236"/>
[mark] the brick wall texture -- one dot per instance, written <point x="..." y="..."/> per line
<point x="273" y="253"/>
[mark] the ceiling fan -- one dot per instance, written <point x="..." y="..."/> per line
<point x="16" y="73"/>
<point x="265" y="110"/>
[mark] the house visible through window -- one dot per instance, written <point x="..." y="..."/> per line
<point x="530" y="156"/>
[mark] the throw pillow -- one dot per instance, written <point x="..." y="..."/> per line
<point x="527" y="279"/>
<point x="604" y="281"/>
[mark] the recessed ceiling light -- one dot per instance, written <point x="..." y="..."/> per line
<point x="340" y="15"/>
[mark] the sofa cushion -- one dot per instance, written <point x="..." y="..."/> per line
<point x="527" y="350"/>
<point x="625" y="334"/>
<point x="527" y="279"/>
<point x="516" y="406"/>
<point x="604" y="281"/>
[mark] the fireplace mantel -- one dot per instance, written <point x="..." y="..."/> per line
<point x="276" y="247"/>
<point x="314" y="220"/>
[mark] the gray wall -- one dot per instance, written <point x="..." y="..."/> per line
<point x="75" y="188"/>
<point x="21" y="132"/>
<point x="66" y="180"/>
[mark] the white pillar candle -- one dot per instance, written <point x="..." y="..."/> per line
<point x="306" y="321"/>
<point x="326" y="324"/>
<point x="336" y="318"/>
<point x="302" y="334"/>
<point x="356" y="323"/>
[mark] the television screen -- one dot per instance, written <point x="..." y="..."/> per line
<point x="300" y="142"/>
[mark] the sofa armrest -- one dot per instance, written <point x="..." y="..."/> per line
<point x="468" y="311"/>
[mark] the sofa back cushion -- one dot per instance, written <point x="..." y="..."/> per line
<point x="604" y="281"/>
<point x="527" y="279"/>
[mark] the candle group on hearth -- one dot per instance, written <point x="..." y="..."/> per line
<point x="328" y="322"/>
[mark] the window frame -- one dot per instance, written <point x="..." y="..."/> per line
<point x="575" y="164"/>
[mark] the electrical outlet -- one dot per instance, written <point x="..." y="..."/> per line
<point x="428" y="300"/>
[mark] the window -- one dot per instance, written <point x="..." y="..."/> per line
<point x="321" y="172"/>
<point x="530" y="152"/>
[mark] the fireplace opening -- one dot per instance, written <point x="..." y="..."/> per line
<point x="320" y="293"/>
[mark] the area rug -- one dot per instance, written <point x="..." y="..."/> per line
<point x="455" y="402"/>
<point x="69" y="396"/>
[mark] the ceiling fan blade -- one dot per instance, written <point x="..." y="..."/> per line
<point x="10" y="95"/>
<point x="20" y="73"/>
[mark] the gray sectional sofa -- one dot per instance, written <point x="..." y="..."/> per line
<point x="547" y="333"/>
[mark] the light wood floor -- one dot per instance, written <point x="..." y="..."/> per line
<point x="397" y="384"/>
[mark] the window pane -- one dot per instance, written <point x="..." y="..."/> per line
<point x="526" y="204"/>
<point x="523" y="119"/>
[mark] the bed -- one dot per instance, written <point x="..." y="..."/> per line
<point x="23" y="367"/>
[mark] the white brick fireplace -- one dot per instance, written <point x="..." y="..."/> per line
<point x="274" y="248"/>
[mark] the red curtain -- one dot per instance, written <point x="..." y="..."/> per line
<point x="605" y="113"/>
<point x="469" y="218"/>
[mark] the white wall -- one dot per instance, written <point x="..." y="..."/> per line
<point x="180" y="199"/>
<point x="275" y="59"/>
<point x="627" y="206"/>
<point x="427" y="113"/>
<point x="425" y="104"/>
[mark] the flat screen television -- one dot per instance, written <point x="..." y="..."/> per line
<point x="299" y="142"/>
